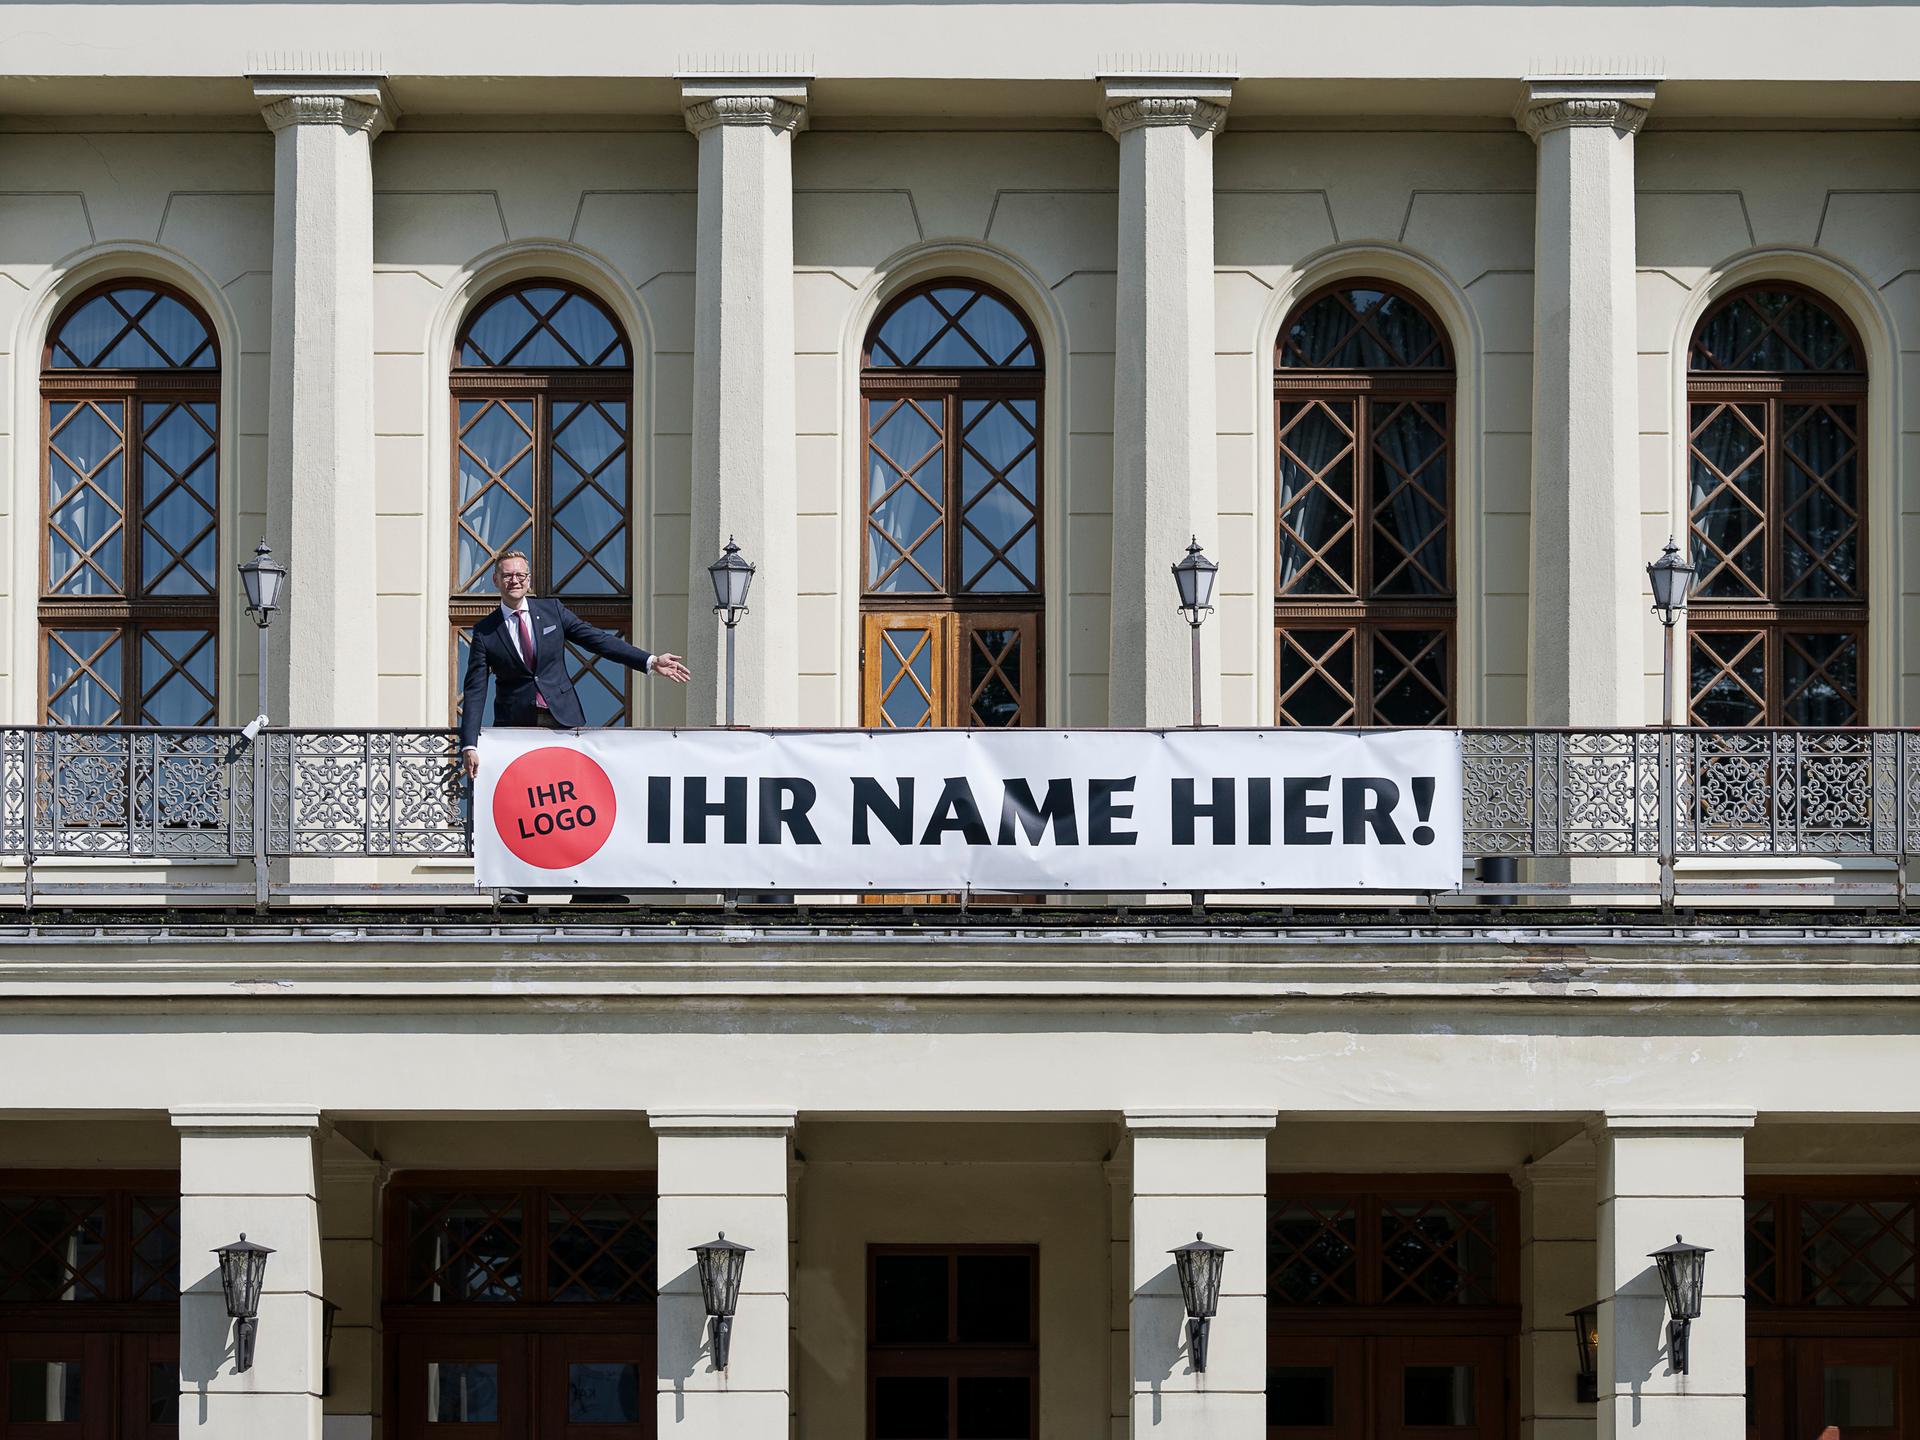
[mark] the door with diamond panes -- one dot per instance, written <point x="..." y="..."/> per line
<point x="1392" y="1308"/>
<point x="521" y="1310"/>
<point x="1833" y="1307"/>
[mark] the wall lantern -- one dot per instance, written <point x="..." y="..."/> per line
<point x="1672" y="579"/>
<point x="732" y="576"/>
<point x="1586" y="1345"/>
<point x="721" y="1262"/>
<point x="1194" y="576"/>
<point x="1683" y="1273"/>
<point x="243" y="1271"/>
<point x="1199" y="1262"/>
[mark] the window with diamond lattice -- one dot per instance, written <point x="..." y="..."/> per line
<point x="1834" y="1244"/>
<point x="99" y="1246"/>
<point x="542" y="400"/>
<point x="1439" y="1243"/>
<point x="1777" y="474"/>
<point x="130" y="475"/>
<point x="1364" y="587"/>
<point x="952" y="596"/>
<point x="520" y="1245"/>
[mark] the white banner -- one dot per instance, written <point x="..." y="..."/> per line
<point x="1025" y="811"/>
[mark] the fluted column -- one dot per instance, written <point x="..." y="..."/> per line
<point x="1164" y="423"/>
<point x="1585" y="625"/>
<point x="320" y="494"/>
<point x="743" y="418"/>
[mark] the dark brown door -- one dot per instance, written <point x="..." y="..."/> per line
<point x="1855" y="1389"/>
<point x="149" y="1387"/>
<point x="1317" y="1389"/>
<point x="596" y="1387"/>
<point x="463" y="1387"/>
<point x="1767" y="1389"/>
<point x="1440" y="1388"/>
<point x="56" y="1387"/>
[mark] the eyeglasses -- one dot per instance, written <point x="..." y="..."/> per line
<point x="512" y="575"/>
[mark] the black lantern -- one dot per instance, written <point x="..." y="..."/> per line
<point x="732" y="577"/>
<point x="1672" y="579"/>
<point x="1586" y="1345"/>
<point x="721" y="1263"/>
<point x="243" y="1271"/>
<point x="1683" y="1275"/>
<point x="264" y="578"/>
<point x="1199" y="1263"/>
<point x="1194" y="576"/>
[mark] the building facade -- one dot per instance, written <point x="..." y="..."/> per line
<point x="1430" y="322"/>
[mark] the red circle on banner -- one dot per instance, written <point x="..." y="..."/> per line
<point x="554" y="807"/>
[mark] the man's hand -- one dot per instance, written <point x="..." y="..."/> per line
<point x="471" y="760"/>
<point x="670" y="667"/>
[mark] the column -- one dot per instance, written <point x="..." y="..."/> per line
<point x="724" y="1171"/>
<point x="1586" y="626"/>
<point x="743" y="367"/>
<point x="251" y="1171"/>
<point x="1164" y="421"/>
<point x="1662" y="1175"/>
<point x="1557" y="1211"/>
<point x="350" y="1248"/>
<point x="320" y="424"/>
<point x="1205" y="1172"/>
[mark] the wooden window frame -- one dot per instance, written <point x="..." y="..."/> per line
<point x="543" y="389"/>
<point x="1771" y="613"/>
<point x="132" y="611"/>
<point x="954" y="1360"/>
<point x="1792" y="1314"/>
<point x="1361" y="612"/>
<point x="115" y="1312"/>
<point x="953" y="611"/>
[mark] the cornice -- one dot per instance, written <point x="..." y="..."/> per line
<point x="1555" y="104"/>
<point x="349" y="102"/>
<point x="769" y="104"/>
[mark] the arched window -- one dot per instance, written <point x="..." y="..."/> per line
<point x="951" y="587"/>
<point x="542" y="462"/>
<point x="129" y="578"/>
<point x="1776" y="479"/>
<point x="1364" y="602"/>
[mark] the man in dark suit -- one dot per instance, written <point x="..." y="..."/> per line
<point x="523" y="646"/>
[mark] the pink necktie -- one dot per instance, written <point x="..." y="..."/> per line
<point x="526" y="653"/>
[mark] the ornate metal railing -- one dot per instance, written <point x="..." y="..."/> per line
<point x="1680" y="809"/>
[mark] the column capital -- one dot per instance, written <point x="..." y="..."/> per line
<point x="1702" y="1121"/>
<point x="1130" y="102"/>
<point x="769" y="1123"/>
<point x="773" y="103"/>
<point x="250" y="1120"/>
<point x="1559" y="103"/>
<point x="1201" y="1124"/>
<point x="352" y="102"/>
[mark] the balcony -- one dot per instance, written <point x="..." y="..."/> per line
<point x="1643" y="819"/>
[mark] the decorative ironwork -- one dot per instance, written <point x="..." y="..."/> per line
<point x="189" y="793"/>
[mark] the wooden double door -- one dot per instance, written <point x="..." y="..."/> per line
<point x="77" y="1385"/>
<point x="1434" y="1387"/>
<point x="1833" y="1388"/>
<point x="519" y="1386"/>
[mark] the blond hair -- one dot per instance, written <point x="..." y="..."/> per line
<point x="506" y="555"/>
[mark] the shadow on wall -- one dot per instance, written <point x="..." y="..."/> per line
<point x="681" y="1349"/>
<point x="1159" y="1321"/>
<point x="205" y="1348"/>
